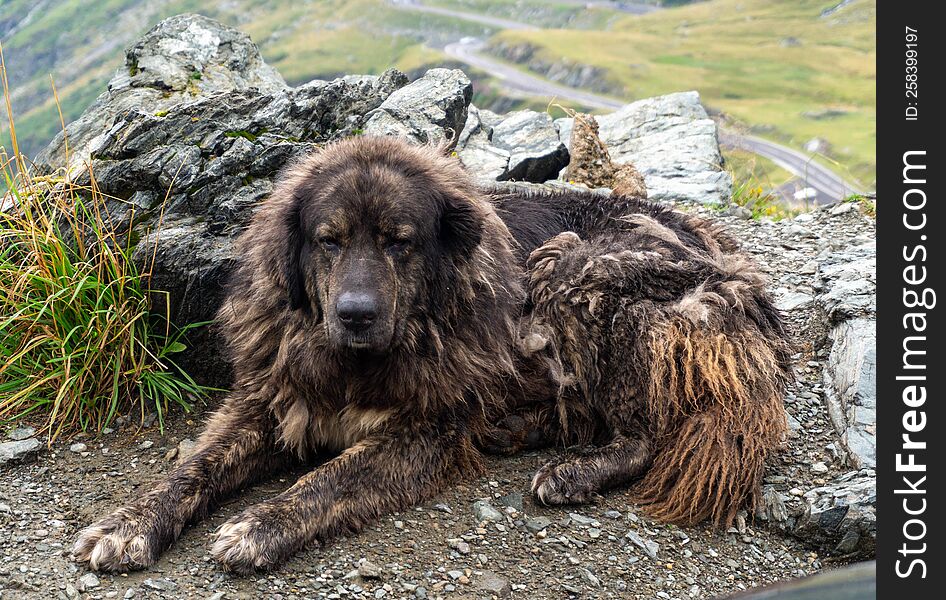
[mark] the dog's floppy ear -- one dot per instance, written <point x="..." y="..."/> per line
<point x="292" y="260"/>
<point x="293" y="247"/>
<point x="461" y="225"/>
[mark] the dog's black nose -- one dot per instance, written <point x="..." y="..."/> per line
<point x="355" y="310"/>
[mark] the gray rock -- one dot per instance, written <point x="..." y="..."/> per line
<point x="842" y="208"/>
<point x="482" y="160"/>
<point x="369" y="570"/>
<point x="650" y="547"/>
<point x="840" y="517"/>
<point x="850" y="374"/>
<point x="537" y="524"/>
<point x="21" y="433"/>
<point x="851" y="388"/>
<point x="589" y="577"/>
<point x="87" y="582"/>
<point x="19" y="450"/>
<point x="493" y="584"/>
<point x="772" y="507"/>
<point x="787" y="300"/>
<point x="484" y="511"/>
<point x="161" y="585"/>
<point x="432" y="109"/>
<point x="513" y="500"/>
<point x="485" y="162"/>
<point x="672" y="142"/>
<point x="535" y="152"/>
<point x="178" y="59"/>
<point x="78" y="447"/>
<point x="582" y="519"/>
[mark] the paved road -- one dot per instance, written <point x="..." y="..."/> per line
<point x="827" y="184"/>
<point x="467" y="51"/>
<point x="415" y="5"/>
<point x="823" y="184"/>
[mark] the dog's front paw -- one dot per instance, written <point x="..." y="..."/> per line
<point x="130" y="538"/>
<point x="562" y="483"/>
<point x="254" y="541"/>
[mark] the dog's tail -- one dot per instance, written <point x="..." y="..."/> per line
<point x="718" y="374"/>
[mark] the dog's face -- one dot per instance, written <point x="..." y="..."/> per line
<point x="376" y="239"/>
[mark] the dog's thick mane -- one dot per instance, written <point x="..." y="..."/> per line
<point x="457" y="342"/>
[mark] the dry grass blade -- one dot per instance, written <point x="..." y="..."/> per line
<point x="78" y="342"/>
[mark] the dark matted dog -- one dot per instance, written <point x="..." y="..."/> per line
<point x="390" y="317"/>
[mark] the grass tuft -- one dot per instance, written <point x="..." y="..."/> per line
<point x="753" y="186"/>
<point x="78" y="343"/>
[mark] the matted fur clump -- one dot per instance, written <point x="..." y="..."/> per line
<point x="670" y="357"/>
<point x="388" y="321"/>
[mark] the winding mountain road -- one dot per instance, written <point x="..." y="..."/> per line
<point x="821" y="184"/>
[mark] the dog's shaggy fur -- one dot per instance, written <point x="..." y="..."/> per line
<point x="391" y="316"/>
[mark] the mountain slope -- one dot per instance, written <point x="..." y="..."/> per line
<point x="789" y="70"/>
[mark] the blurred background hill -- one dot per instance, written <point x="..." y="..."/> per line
<point x="797" y="72"/>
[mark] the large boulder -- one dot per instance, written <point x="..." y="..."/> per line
<point x="838" y="518"/>
<point x="849" y="305"/>
<point x="536" y="153"/>
<point x="484" y="161"/>
<point x="431" y="110"/>
<point x="181" y="58"/>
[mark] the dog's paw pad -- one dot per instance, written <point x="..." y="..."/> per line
<point x="560" y="484"/>
<point x="114" y="545"/>
<point x="240" y="547"/>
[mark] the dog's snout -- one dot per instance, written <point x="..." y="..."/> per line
<point x="356" y="310"/>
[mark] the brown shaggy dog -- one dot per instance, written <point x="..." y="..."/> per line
<point x="391" y="318"/>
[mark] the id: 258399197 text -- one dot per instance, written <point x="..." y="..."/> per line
<point x="911" y="74"/>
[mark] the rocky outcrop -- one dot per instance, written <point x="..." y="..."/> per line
<point x="849" y="304"/>
<point x="841" y="516"/>
<point x="431" y="110"/>
<point x="669" y="139"/>
<point x="181" y="58"/>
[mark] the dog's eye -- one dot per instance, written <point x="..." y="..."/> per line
<point x="330" y="245"/>
<point x="398" y="246"/>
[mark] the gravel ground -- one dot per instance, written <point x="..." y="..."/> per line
<point x="443" y="549"/>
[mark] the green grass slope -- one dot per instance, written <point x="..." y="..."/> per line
<point x="777" y="68"/>
<point x="788" y="70"/>
<point x="79" y="44"/>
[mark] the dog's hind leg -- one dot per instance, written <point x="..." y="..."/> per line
<point x="576" y="478"/>
<point x="236" y="446"/>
